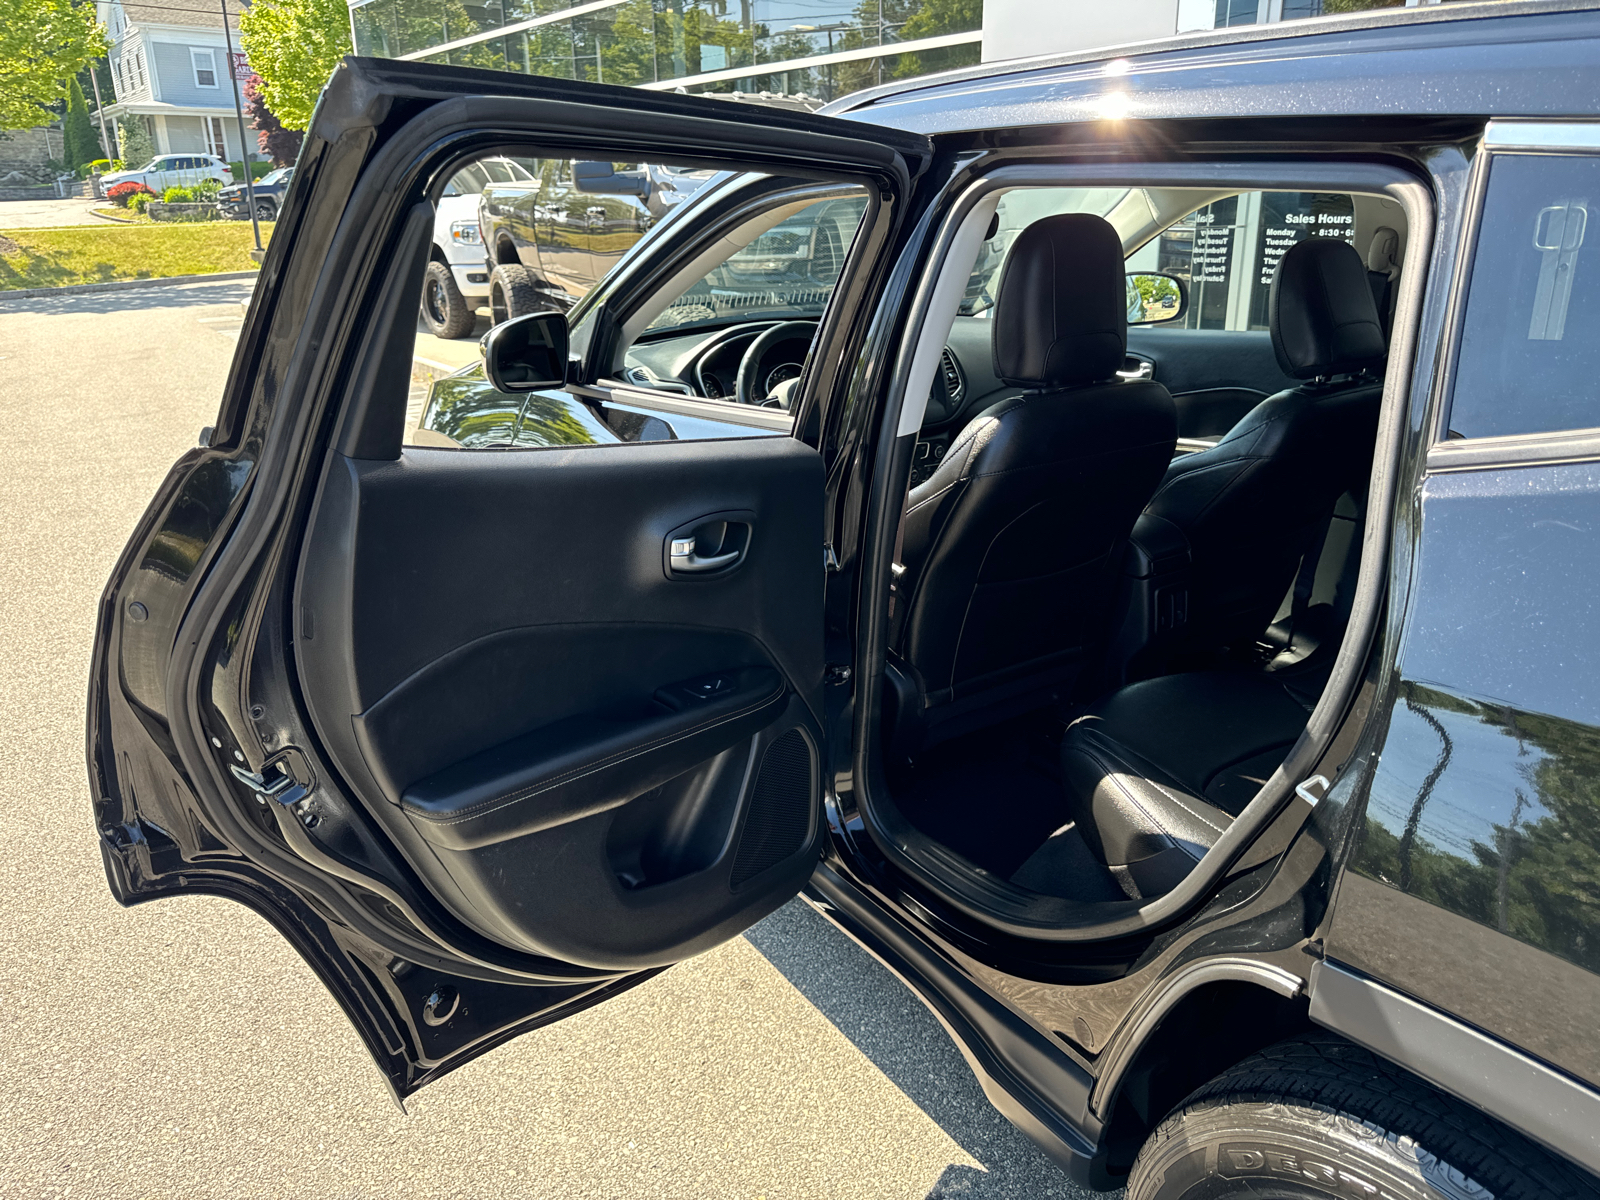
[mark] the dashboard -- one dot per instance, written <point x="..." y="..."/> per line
<point x="706" y="363"/>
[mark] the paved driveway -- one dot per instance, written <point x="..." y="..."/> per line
<point x="181" y="1049"/>
<point x="38" y="214"/>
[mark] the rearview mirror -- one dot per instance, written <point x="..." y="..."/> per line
<point x="601" y="179"/>
<point x="526" y="353"/>
<point x="1154" y="298"/>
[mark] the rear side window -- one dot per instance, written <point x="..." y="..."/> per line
<point x="1530" y="341"/>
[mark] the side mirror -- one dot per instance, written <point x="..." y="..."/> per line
<point x="599" y="179"/>
<point x="1154" y="298"/>
<point x="526" y="353"/>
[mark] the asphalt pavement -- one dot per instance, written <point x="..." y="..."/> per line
<point x="182" y="1049"/>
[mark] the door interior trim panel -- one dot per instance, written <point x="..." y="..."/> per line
<point x="587" y="751"/>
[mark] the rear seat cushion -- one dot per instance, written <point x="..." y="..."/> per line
<point x="1155" y="772"/>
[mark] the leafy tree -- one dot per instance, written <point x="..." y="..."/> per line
<point x="281" y="145"/>
<point x="137" y="146"/>
<point x="82" y="143"/>
<point x="43" y="44"/>
<point x="294" y="45"/>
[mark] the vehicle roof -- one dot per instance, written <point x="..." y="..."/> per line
<point x="1535" y="58"/>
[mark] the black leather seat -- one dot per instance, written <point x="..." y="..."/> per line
<point x="1157" y="771"/>
<point x="1010" y="550"/>
<point x="1254" y="504"/>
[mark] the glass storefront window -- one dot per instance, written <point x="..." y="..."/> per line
<point x="649" y="41"/>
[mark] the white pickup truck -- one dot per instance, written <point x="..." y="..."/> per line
<point x="458" y="272"/>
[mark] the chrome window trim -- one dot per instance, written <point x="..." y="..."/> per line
<point x="1502" y="134"/>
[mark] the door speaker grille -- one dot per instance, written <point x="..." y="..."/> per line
<point x="780" y="809"/>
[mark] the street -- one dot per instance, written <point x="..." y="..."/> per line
<point x="183" y="1049"/>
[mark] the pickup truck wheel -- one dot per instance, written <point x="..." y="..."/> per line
<point x="1320" y="1118"/>
<point x="514" y="292"/>
<point x="266" y="210"/>
<point x="444" y="308"/>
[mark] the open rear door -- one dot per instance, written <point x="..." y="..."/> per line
<point x="489" y="735"/>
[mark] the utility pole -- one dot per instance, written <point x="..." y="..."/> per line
<point x="112" y="149"/>
<point x="244" y="145"/>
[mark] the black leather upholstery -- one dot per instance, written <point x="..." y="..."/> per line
<point x="1010" y="549"/>
<point x="1156" y="772"/>
<point x="1252" y="505"/>
<point x="1058" y="321"/>
<point x="1321" y="313"/>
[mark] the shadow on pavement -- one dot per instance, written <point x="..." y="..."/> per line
<point x="891" y="1027"/>
<point x="176" y="295"/>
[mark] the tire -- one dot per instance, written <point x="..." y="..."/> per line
<point x="266" y="210"/>
<point x="1320" y="1117"/>
<point x="514" y="292"/>
<point x="444" y="308"/>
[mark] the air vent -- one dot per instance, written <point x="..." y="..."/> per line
<point x="780" y="809"/>
<point x="953" y="385"/>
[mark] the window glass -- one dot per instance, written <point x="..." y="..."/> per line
<point x="1530" y="341"/>
<point x="786" y="273"/>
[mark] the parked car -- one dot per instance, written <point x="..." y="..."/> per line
<point x="173" y="170"/>
<point x="1197" y="716"/>
<point x="268" y="191"/>
<point x="549" y="240"/>
<point x="457" y="282"/>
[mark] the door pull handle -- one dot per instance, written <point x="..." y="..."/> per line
<point x="683" y="557"/>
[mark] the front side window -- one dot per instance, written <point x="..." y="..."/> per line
<point x="788" y="272"/>
<point x="1530" y="339"/>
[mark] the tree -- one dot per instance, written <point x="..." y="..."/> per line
<point x="294" y="45"/>
<point x="43" y="44"/>
<point x="281" y="145"/>
<point x="82" y="144"/>
<point x="134" y="138"/>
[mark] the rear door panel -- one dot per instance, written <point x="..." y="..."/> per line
<point x="1215" y="376"/>
<point x="524" y="672"/>
<point x="448" y="719"/>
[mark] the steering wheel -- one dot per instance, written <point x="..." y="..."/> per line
<point x="750" y="390"/>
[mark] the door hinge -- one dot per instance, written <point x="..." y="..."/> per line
<point x="830" y="560"/>
<point x="285" y="777"/>
<point x="835" y="673"/>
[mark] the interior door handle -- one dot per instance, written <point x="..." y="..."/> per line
<point x="711" y="546"/>
<point x="684" y="558"/>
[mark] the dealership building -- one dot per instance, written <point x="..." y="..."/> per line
<point x="815" y="48"/>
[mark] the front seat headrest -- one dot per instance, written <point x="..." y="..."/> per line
<point x="1321" y="312"/>
<point x="1061" y="310"/>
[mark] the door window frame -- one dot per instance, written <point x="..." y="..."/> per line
<point x="1502" y="139"/>
<point x="1042" y="918"/>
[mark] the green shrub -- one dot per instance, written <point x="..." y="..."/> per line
<point x="257" y="169"/>
<point x="207" y="189"/>
<point x="140" y="201"/>
<point x="178" y="195"/>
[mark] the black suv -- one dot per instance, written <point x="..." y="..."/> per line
<point x="1199" y="716"/>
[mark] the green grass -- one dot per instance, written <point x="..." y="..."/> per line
<point x="31" y="258"/>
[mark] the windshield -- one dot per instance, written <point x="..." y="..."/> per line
<point x="474" y="177"/>
<point x="788" y="272"/>
<point x="274" y="176"/>
<point x="1017" y="210"/>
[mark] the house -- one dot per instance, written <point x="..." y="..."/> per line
<point x="169" y="61"/>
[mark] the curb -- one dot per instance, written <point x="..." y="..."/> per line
<point x="95" y="212"/>
<point x="122" y="285"/>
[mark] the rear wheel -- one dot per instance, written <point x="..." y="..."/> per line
<point x="1320" y="1117"/>
<point x="444" y="308"/>
<point x="514" y="292"/>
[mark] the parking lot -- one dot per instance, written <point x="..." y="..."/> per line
<point x="182" y="1049"/>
